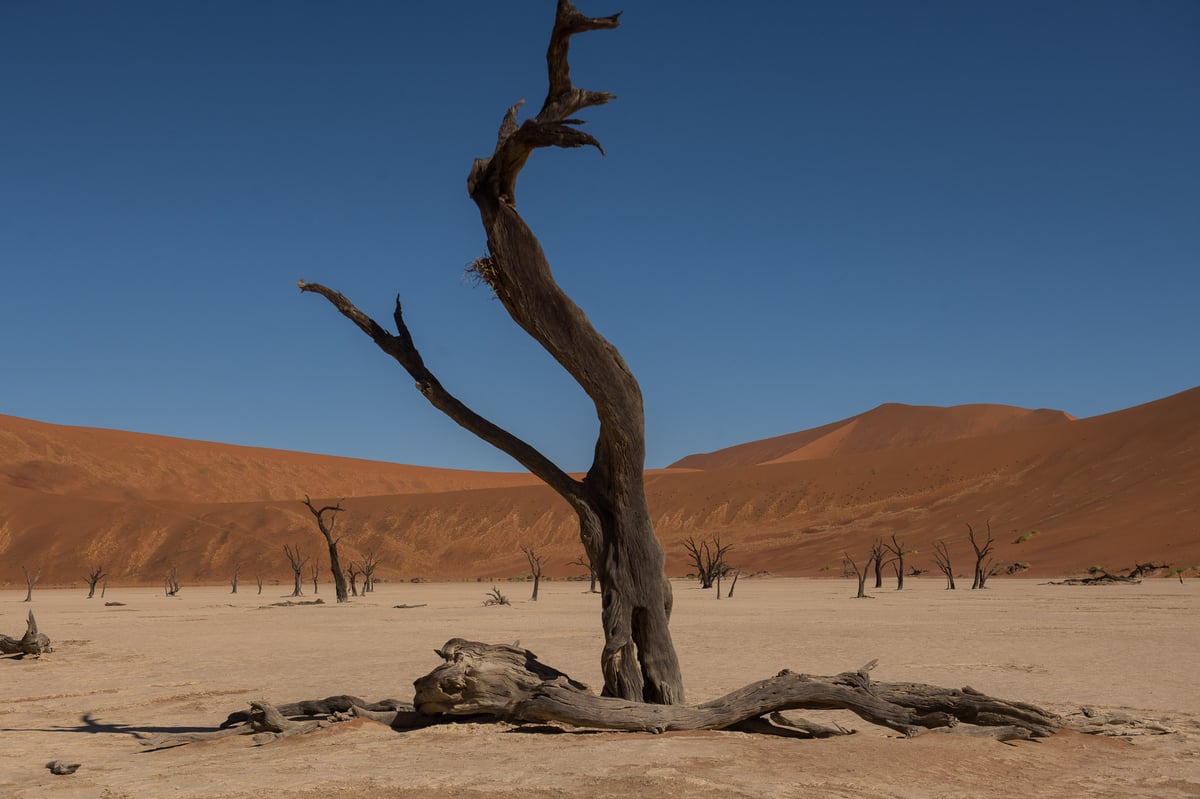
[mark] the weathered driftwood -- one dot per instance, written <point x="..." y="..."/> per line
<point x="32" y="643"/>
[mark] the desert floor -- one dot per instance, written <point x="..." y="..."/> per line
<point x="182" y="663"/>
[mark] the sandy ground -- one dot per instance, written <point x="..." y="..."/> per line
<point x="184" y="663"/>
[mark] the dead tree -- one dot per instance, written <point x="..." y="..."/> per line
<point x="898" y="551"/>
<point x="315" y="574"/>
<point x="984" y="567"/>
<point x="258" y="578"/>
<point x="708" y="561"/>
<point x="237" y="573"/>
<point x="368" y="564"/>
<point x="172" y="581"/>
<point x="535" y="569"/>
<point x="587" y="564"/>
<point x="326" y="528"/>
<point x="30" y="582"/>
<point x="296" y="561"/>
<point x="861" y="574"/>
<point x="941" y="556"/>
<point x="877" y="550"/>
<point x="638" y="660"/>
<point x="353" y="570"/>
<point x="93" y="577"/>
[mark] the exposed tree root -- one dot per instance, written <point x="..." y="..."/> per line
<point x="488" y="683"/>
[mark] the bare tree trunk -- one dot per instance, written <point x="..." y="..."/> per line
<point x="316" y="579"/>
<point x="326" y="528"/>
<point x="535" y="569"/>
<point x="638" y="660"/>
<point x="942" y="557"/>
<point x="237" y="572"/>
<point x="352" y="572"/>
<point x="296" y="560"/>
<point x="30" y="582"/>
<point x="94" y="577"/>
<point x="877" y="558"/>
<point x="897" y="549"/>
<point x="258" y="578"/>
<point x="861" y="574"/>
<point x="172" y="581"/>
<point x="982" y="570"/>
<point x="370" y="563"/>
<point x="733" y="585"/>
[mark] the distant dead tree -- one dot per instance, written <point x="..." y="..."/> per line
<point x="94" y="577"/>
<point x="104" y="586"/>
<point x="326" y="528"/>
<point x="368" y="564"/>
<point x="709" y="561"/>
<point x="353" y="570"/>
<point x="898" y="551"/>
<point x="258" y="578"/>
<point x="877" y="550"/>
<point x="30" y="582"/>
<point x="587" y="564"/>
<point x="172" y="581"/>
<point x="984" y="567"/>
<point x="297" y="561"/>
<point x="861" y="574"/>
<point x="237" y="573"/>
<point x="535" y="568"/>
<point x="941" y="557"/>
<point x="736" y="574"/>
<point x="315" y="574"/>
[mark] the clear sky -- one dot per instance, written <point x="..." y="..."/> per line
<point x="807" y="209"/>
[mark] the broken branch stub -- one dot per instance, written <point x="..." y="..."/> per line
<point x="32" y="643"/>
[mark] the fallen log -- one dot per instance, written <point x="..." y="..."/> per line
<point x="488" y="683"/>
<point x="32" y="643"/>
<point x="510" y="684"/>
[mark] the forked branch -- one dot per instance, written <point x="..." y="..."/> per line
<point x="404" y="351"/>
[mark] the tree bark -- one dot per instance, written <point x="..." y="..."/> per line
<point x="638" y="660"/>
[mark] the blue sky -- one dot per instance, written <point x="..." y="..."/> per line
<point x="807" y="209"/>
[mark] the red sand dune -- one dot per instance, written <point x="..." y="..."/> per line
<point x="890" y="426"/>
<point x="1110" y="490"/>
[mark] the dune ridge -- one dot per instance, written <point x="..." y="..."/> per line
<point x="1109" y="491"/>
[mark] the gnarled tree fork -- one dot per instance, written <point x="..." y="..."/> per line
<point x="638" y="660"/>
